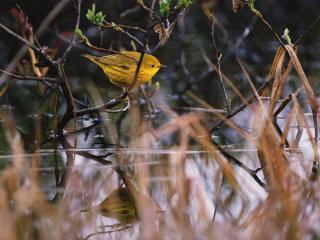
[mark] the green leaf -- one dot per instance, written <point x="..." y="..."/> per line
<point x="96" y="18"/>
<point x="78" y="32"/>
<point x="91" y="13"/>
<point x="80" y="35"/>
<point x="286" y="36"/>
<point x="164" y="6"/>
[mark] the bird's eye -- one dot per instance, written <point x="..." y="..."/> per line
<point x="153" y="65"/>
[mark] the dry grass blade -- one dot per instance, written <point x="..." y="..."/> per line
<point x="254" y="90"/>
<point x="286" y="128"/>
<point x="264" y="90"/>
<point x="268" y="143"/>
<point x="300" y="120"/>
<point x="305" y="125"/>
<point x="28" y="200"/>
<point x="278" y="82"/>
<point x="311" y="97"/>
<point x="303" y="77"/>
<point x="272" y="71"/>
<point x="199" y="133"/>
<point x="219" y="115"/>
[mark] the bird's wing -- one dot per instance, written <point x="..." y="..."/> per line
<point x="122" y="61"/>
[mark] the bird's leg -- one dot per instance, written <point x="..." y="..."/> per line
<point x="127" y="98"/>
<point x="128" y="102"/>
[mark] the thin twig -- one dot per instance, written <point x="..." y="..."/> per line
<point x="74" y="37"/>
<point x="28" y="43"/>
<point x="218" y="57"/>
<point x="112" y="103"/>
<point x="108" y="25"/>
<point x="135" y="79"/>
<point x="106" y="232"/>
<point x="235" y="161"/>
<point x="26" y="77"/>
<point x="258" y="14"/>
<point x="302" y="36"/>
<point x="42" y="28"/>
<point x="235" y="111"/>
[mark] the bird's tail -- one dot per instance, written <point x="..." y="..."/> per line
<point x="94" y="59"/>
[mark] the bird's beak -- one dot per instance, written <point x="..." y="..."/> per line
<point x="163" y="66"/>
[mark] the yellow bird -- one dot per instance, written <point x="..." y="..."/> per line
<point x="120" y="68"/>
